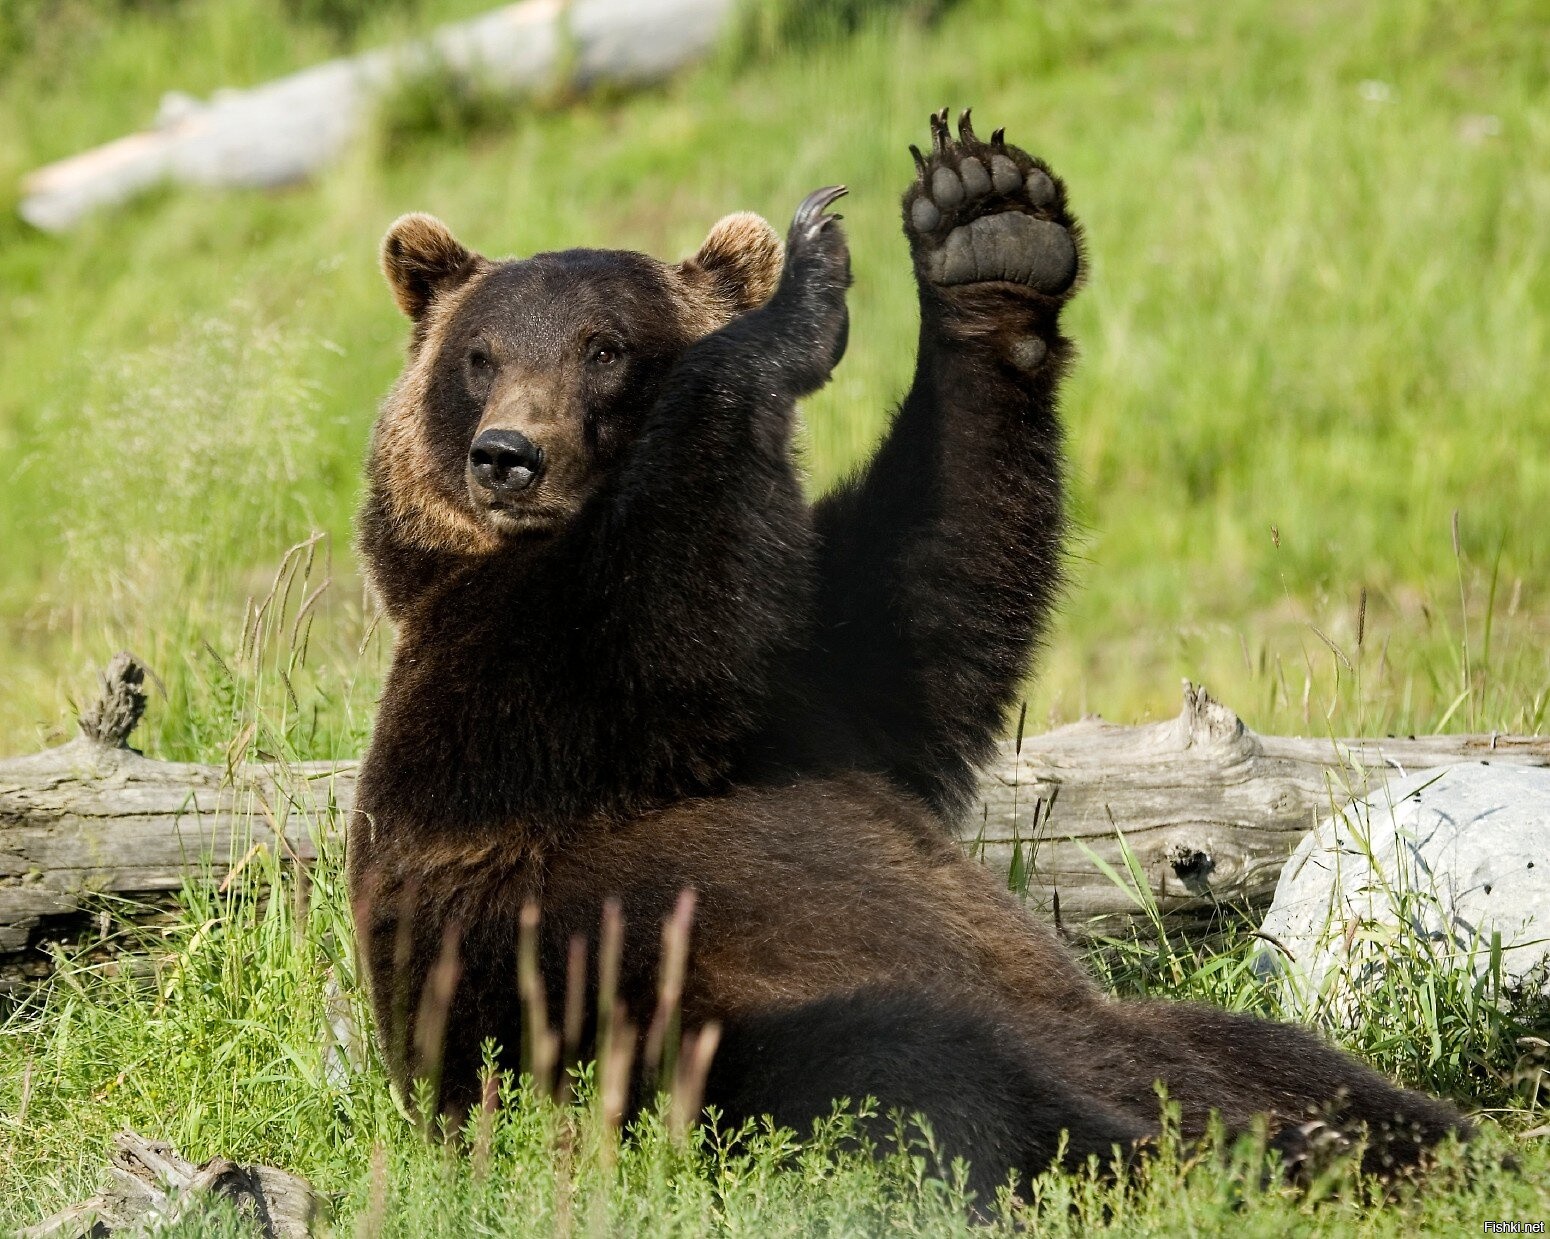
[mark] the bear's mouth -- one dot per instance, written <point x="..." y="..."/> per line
<point x="523" y="521"/>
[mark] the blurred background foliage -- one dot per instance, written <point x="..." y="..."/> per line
<point x="1307" y="429"/>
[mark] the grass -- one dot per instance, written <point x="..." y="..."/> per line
<point x="1303" y="432"/>
<point x="1315" y="331"/>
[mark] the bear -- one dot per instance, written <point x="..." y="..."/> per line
<point x="633" y="659"/>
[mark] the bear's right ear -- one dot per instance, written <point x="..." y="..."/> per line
<point x="422" y="260"/>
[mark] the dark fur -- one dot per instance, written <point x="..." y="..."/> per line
<point x="696" y="680"/>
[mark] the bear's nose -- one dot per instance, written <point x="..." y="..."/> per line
<point x="505" y="461"/>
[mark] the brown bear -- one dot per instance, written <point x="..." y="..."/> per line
<point x="632" y="659"/>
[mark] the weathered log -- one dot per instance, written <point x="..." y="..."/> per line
<point x="151" y="1187"/>
<point x="1209" y="810"/>
<point x="288" y="129"/>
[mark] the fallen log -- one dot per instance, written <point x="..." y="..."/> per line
<point x="150" y="1187"/>
<point x="289" y="129"/>
<point x="1208" y="809"/>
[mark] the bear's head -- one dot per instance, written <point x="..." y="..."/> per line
<point x="528" y="380"/>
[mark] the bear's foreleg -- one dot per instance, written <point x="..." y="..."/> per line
<point x="940" y="563"/>
<point x="700" y="575"/>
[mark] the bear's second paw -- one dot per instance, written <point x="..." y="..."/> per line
<point x="808" y="313"/>
<point x="817" y="258"/>
<point x="985" y="212"/>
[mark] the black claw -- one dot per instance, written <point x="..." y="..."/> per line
<point x="965" y="127"/>
<point x="940" y="136"/>
<point x="998" y="139"/>
<point x="810" y="214"/>
<point x="920" y="162"/>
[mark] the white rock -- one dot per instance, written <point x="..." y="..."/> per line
<point x="1455" y="856"/>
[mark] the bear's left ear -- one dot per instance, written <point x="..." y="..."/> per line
<point x="422" y="259"/>
<point x="739" y="263"/>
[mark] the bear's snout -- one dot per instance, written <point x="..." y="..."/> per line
<point x="504" y="462"/>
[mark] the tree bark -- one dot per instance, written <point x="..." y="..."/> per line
<point x="1208" y="809"/>
<point x="150" y="1187"/>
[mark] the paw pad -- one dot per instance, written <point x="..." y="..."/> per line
<point x="925" y="216"/>
<point x="988" y="212"/>
<point x="976" y="181"/>
<point x="1029" y="352"/>
<point x="1017" y="248"/>
<point x="1039" y="188"/>
<point x="1004" y="174"/>
<point x="946" y="188"/>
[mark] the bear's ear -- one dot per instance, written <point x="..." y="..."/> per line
<point x="422" y="259"/>
<point x="739" y="263"/>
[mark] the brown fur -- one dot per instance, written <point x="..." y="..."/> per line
<point x="735" y="270"/>
<point x="422" y="259"/>
<point x="839" y="886"/>
<point x="420" y="255"/>
<point x="432" y="275"/>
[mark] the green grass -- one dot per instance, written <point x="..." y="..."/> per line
<point x="1316" y="330"/>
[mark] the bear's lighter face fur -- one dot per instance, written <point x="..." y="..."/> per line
<point x="568" y="348"/>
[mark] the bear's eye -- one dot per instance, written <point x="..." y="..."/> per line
<point x="604" y="354"/>
<point x="479" y="359"/>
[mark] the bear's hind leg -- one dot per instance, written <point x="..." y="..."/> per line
<point x="1242" y="1066"/>
<point x="986" y="1099"/>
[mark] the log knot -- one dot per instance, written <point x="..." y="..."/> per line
<point x="119" y="705"/>
<point x="1205" y="723"/>
<point x="1190" y="862"/>
<point x="1193" y="866"/>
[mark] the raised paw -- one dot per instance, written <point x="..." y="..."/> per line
<point x="985" y="212"/>
<point x="816" y="253"/>
<point x="808" y="310"/>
